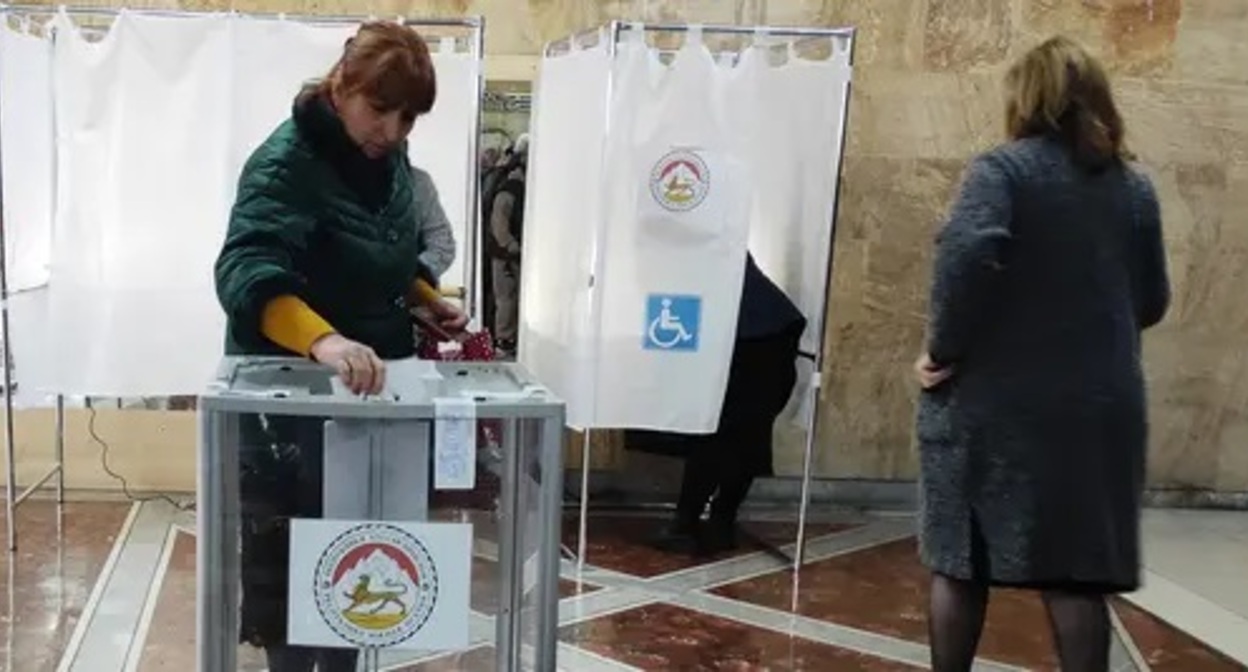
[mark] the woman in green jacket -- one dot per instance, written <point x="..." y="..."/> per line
<point x="322" y="260"/>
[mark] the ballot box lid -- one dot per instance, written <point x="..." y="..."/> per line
<point x="414" y="389"/>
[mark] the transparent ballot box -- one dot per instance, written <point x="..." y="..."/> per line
<point x="414" y="530"/>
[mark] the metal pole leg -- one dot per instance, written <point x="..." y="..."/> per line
<point x="583" y="522"/>
<point x="547" y="440"/>
<point x="799" y="553"/>
<point x="510" y="556"/>
<point x="60" y="449"/>
<point x="218" y="562"/>
<point x="10" y="494"/>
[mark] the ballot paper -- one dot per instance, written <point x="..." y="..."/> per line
<point x="455" y="444"/>
<point x="406" y="379"/>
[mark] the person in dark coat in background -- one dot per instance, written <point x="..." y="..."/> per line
<point x="720" y="468"/>
<point x="504" y="246"/>
<point x="1032" y="421"/>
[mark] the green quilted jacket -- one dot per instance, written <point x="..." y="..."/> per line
<point x="315" y="218"/>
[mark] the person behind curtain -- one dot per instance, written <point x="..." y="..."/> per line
<point x="721" y="467"/>
<point x="1032" y="420"/>
<point x="437" y="238"/>
<point x="506" y="227"/>
<point x="322" y="259"/>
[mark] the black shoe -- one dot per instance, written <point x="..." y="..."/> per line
<point x="678" y="537"/>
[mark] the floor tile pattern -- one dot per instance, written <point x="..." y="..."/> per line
<point x="665" y="637"/>
<point x="860" y="604"/>
<point x="50" y="578"/>
<point x="1167" y="649"/>
<point x="619" y="543"/>
<point x="884" y="590"/>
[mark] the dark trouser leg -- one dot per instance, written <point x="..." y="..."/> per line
<point x="736" y="476"/>
<point x="736" y="468"/>
<point x="290" y="659"/>
<point x="336" y="660"/>
<point x="734" y="488"/>
<point x="1082" y="630"/>
<point x="303" y="659"/>
<point x="760" y="383"/>
<point x="506" y="275"/>
<point x="282" y="467"/>
<point x="955" y="620"/>
<point x="697" y="484"/>
<point x="269" y="495"/>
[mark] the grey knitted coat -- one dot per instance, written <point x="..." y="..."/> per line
<point x="1033" y="453"/>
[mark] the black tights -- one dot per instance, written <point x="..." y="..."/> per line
<point x="1080" y="623"/>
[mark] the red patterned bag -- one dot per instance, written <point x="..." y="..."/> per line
<point x="437" y="345"/>
<point x="468" y="347"/>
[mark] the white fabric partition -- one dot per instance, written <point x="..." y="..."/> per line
<point x="795" y="197"/>
<point x="272" y="60"/>
<point x="675" y="234"/>
<point x="769" y="137"/>
<point x="154" y="123"/>
<point x="26" y="156"/>
<point x="143" y="203"/>
<point x="442" y="144"/>
<point x="565" y="172"/>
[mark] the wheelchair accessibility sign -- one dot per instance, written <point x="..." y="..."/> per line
<point x="672" y="322"/>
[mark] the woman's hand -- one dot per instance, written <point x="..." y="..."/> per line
<point x="450" y="317"/>
<point x="361" y="370"/>
<point x="929" y="374"/>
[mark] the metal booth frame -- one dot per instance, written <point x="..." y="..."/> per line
<point x="469" y="293"/>
<point x="613" y="32"/>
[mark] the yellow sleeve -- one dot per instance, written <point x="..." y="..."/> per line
<point x="423" y="293"/>
<point x="292" y="324"/>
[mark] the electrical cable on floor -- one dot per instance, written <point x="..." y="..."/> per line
<point x="125" y="485"/>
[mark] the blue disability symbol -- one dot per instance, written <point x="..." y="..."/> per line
<point x="672" y="322"/>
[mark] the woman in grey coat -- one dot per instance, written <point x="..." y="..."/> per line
<point x="1032" y="421"/>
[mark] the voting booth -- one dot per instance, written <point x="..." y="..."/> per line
<point x="439" y="505"/>
<point x="654" y="170"/>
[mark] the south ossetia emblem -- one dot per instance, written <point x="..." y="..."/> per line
<point x="680" y="180"/>
<point x="376" y="585"/>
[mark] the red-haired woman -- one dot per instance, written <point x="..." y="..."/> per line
<point x="322" y="259"/>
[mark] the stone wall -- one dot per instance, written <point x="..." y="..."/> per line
<point x="927" y="96"/>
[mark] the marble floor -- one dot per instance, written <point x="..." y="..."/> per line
<point x="111" y="586"/>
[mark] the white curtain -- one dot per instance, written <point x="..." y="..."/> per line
<point x="26" y="156"/>
<point x="674" y="242"/>
<point x="771" y="131"/>
<point x="648" y="343"/>
<point x="795" y="197"/>
<point x="441" y="144"/>
<point x="154" y="123"/>
<point x="272" y="60"/>
<point x="562" y="205"/>
<point x="142" y="191"/>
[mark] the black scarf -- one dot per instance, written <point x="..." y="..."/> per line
<point x="371" y="179"/>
